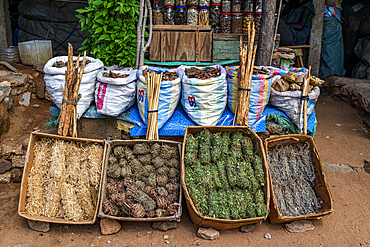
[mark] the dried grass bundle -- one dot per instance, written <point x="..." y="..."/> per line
<point x="58" y="158"/>
<point x="53" y="204"/>
<point x="71" y="207"/>
<point x="84" y="194"/>
<point x="95" y="164"/>
<point x="73" y="159"/>
<point x="155" y="150"/>
<point x="35" y="201"/>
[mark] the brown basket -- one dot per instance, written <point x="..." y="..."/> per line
<point x="321" y="187"/>
<point x="222" y="224"/>
<point x="176" y="216"/>
<point x="27" y="168"/>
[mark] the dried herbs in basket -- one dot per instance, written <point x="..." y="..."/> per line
<point x="224" y="176"/>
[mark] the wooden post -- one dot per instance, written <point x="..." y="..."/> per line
<point x="316" y="37"/>
<point x="266" y="36"/>
<point x="5" y="28"/>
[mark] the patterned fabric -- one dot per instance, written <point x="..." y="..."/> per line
<point x="333" y="8"/>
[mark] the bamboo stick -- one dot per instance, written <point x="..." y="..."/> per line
<point x="249" y="87"/>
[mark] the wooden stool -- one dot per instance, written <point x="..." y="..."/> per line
<point x="299" y="53"/>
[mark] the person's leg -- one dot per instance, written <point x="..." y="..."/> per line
<point x="286" y="34"/>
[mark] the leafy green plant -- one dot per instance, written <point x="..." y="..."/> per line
<point x="111" y="30"/>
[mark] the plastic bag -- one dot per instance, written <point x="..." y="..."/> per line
<point x="115" y="95"/>
<point x="204" y="100"/>
<point x="290" y="103"/>
<point x="259" y="95"/>
<point x="169" y="96"/>
<point x="55" y="79"/>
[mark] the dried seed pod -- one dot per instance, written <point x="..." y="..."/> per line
<point x="119" y="151"/>
<point x="114" y="170"/>
<point x="162" y="180"/>
<point x="168" y="152"/>
<point x="161" y="191"/>
<point x="173" y="173"/>
<point x="138" y="211"/>
<point x="155" y="150"/>
<point x="159" y="161"/>
<point x="163" y="170"/>
<point x="126" y="172"/>
<point x="172" y="209"/>
<point x="136" y="165"/>
<point x="140" y="184"/>
<point x="145" y="179"/>
<point x="120" y="186"/>
<point x="129" y="154"/>
<point x="161" y="212"/>
<point x="150" y="191"/>
<point x="118" y="199"/>
<point x="141" y="148"/>
<point x="147" y="170"/>
<point x="161" y="202"/>
<point x="151" y="214"/>
<point x="111" y="188"/>
<point x="128" y="181"/>
<point x="172" y="187"/>
<point x="174" y="163"/>
<point x="109" y="208"/>
<point x="145" y="159"/>
<point x="173" y="197"/>
<point x="112" y="160"/>
<point x="152" y="180"/>
<point x="173" y="180"/>
<point x="123" y="162"/>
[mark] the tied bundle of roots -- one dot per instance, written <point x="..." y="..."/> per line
<point x="150" y="176"/>
<point x="224" y="175"/>
<point x="64" y="179"/>
<point x="293" y="178"/>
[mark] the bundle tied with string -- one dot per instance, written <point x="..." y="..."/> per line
<point x="153" y="82"/>
<point x="247" y="55"/>
<point x="73" y="76"/>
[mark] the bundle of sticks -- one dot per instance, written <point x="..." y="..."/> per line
<point x="68" y="115"/>
<point x="247" y="54"/>
<point x="153" y="85"/>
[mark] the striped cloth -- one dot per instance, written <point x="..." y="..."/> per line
<point x="333" y="8"/>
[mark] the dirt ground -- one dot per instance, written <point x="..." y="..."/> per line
<point x="340" y="139"/>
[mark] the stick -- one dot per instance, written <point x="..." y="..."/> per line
<point x="276" y="28"/>
<point x="138" y="33"/>
<point x="249" y="86"/>
<point x="150" y="33"/>
<point x="307" y="87"/>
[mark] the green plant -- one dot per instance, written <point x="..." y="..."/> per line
<point x="111" y="30"/>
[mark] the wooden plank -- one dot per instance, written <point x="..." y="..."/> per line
<point x="5" y="28"/>
<point x="266" y="36"/>
<point x="181" y="28"/>
<point x="155" y="47"/>
<point x="180" y="46"/>
<point x="316" y="37"/>
<point x="298" y="46"/>
<point x="197" y="46"/>
<point x="163" y="46"/>
<point x="227" y="36"/>
<point x="205" y="46"/>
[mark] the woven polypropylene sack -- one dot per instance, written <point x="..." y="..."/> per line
<point x="204" y="101"/>
<point x="55" y="79"/>
<point x="115" y="95"/>
<point x="259" y="94"/>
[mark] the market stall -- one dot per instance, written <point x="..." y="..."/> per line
<point x="230" y="174"/>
